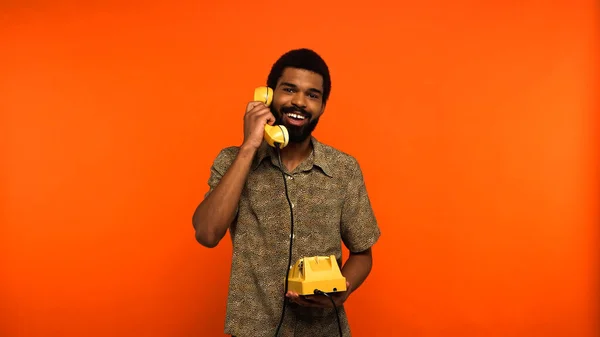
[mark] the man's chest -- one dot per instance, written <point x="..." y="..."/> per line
<point x="309" y="191"/>
<point x="315" y="199"/>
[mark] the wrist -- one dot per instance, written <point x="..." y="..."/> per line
<point x="247" y="150"/>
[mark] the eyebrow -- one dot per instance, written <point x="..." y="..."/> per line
<point x="295" y="86"/>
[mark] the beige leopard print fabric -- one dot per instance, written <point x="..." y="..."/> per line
<point x="330" y="205"/>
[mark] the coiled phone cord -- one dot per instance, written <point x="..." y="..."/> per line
<point x="287" y="271"/>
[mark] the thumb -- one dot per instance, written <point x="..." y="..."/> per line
<point x="271" y="119"/>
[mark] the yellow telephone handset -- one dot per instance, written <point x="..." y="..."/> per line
<point x="276" y="135"/>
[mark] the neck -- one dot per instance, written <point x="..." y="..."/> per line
<point x="294" y="153"/>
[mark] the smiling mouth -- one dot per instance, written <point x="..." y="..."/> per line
<point x="296" y="116"/>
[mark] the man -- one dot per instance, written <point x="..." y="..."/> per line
<point x="326" y="193"/>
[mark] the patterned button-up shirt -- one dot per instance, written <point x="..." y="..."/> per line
<point x="330" y="206"/>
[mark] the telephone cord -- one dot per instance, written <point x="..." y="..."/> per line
<point x="287" y="271"/>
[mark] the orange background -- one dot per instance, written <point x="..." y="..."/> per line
<point x="472" y="121"/>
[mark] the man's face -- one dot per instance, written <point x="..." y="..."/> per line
<point x="298" y="102"/>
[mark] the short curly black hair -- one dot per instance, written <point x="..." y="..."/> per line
<point x="302" y="58"/>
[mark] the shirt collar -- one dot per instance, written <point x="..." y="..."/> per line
<point x="319" y="156"/>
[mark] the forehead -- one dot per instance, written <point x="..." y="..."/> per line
<point x="302" y="78"/>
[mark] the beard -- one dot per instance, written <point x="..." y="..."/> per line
<point x="297" y="134"/>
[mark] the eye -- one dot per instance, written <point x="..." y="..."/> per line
<point x="313" y="96"/>
<point x="288" y="89"/>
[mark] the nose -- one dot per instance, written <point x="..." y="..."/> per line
<point x="299" y="100"/>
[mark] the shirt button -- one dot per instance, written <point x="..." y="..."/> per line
<point x="290" y="177"/>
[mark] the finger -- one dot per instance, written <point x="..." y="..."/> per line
<point x="325" y="301"/>
<point x="258" y="111"/>
<point x="265" y="116"/>
<point x="292" y="296"/>
<point x="261" y="111"/>
<point x="270" y="119"/>
<point x="252" y="105"/>
<point x="318" y="301"/>
<point x="337" y="299"/>
<point x="301" y="300"/>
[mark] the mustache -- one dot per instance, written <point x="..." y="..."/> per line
<point x="288" y="109"/>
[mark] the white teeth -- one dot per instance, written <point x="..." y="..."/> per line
<point x="295" y="116"/>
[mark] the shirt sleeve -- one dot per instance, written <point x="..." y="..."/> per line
<point x="359" y="227"/>
<point x="219" y="167"/>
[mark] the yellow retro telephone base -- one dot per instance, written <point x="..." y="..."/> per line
<point x="316" y="273"/>
<point x="275" y="135"/>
